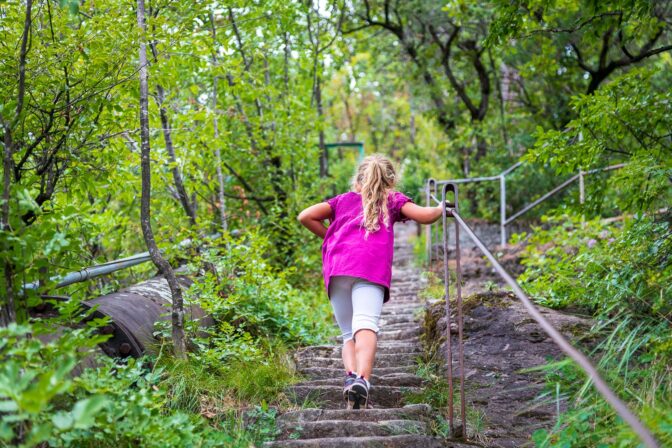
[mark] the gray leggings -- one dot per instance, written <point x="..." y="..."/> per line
<point x="357" y="304"/>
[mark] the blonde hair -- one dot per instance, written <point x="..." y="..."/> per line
<point x="375" y="178"/>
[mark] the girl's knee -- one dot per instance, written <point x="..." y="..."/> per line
<point x="359" y="325"/>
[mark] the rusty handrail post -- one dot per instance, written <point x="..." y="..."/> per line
<point x="502" y="210"/>
<point x="428" y="232"/>
<point x="458" y="294"/>
<point x="437" y="230"/>
<point x="446" y="284"/>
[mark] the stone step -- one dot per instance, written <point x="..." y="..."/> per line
<point x="392" y="335"/>
<point x="389" y="319"/>
<point x="403" y="306"/>
<point x="321" y="373"/>
<point x="408" y="412"/>
<point x="400" y="337"/>
<point x="334" y="351"/>
<point x="402" y="441"/>
<point x="382" y="360"/>
<point x="400" y="326"/>
<point x="331" y="397"/>
<point x="393" y="379"/>
<point x="348" y="428"/>
<point x="410" y="313"/>
<point x="409" y="287"/>
<point x="406" y="315"/>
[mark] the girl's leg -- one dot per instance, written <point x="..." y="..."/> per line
<point x="340" y="288"/>
<point x="367" y="304"/>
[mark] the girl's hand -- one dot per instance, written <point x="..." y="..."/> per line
<point x="313" y="218"/>
<point x="422" y="215"/>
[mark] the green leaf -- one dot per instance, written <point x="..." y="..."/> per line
<point x="8" y="406"/>
<point x="62" y="420"/>
<point x="85" y="411"/>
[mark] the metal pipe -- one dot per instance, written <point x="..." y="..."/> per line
<point x="557" y="189"/>
<point x="467" y="180"/>
<point x="446" y="283"/>
<point x="480" y="179"/>
<point x="95" y="271"/>
<point x="502" y="209"/>
<point x="430" y="182"/>
<point x="619" y="406"/>
<point x="428" y="231"/>
<point x="511" y="168"/>
<point x="582" y="187"/>
<point x="607" y="168"/>
<point x="435" y="228"/>
<point x="460" y="319"/>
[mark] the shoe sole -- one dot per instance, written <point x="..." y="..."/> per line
<point x="359" y="396"/>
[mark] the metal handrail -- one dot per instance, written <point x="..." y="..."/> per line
<point x="538" y="201"/>
<point x="501" y="177"/>
<point x="451" y="209"/>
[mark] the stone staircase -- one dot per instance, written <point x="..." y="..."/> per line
<point x="391" y="422"/>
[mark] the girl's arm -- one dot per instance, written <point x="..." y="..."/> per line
<point x="422" y="215"/>
<point x="313" y="216"/>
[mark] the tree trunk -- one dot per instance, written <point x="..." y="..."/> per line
<point x="324" y="155"/>
<point x="162" y="265"/>
<point x="9" y="309"/>
<point x="215" y="125"/>
<point x="218" y="160"/>
<point x="182" y="195"/>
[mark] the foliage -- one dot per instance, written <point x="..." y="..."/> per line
<point x="624" y="268"/>
<point x="243" y="92"/>
<point x="251" y="300"/>
<point x="109" y="405"/>
<point x="626" y="121"/>
<point x="623" y="275"/>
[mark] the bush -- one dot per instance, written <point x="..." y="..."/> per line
<point x="623" y="275"/>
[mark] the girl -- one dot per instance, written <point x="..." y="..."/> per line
<point x="357" y="261"/>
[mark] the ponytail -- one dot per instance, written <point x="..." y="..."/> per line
<point x="375" y="178"/>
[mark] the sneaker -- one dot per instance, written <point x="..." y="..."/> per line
<point x="350" y="378"/>
<point x="359" y="393"/>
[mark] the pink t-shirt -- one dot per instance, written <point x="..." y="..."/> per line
<point x="345" y="251"/>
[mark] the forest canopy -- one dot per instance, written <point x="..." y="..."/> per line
<point x="232" y="134"/>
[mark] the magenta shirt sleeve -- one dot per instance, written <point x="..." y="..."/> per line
<point x="333" y="203"/>
<point x="398" y="201"/>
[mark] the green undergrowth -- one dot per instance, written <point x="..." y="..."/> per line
<point x="196" y="387"/>
<point x="435" y="392"/>
<point x="227" y="392"/>
<point x="621" y="274"/>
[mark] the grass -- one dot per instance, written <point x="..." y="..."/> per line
<point x="195" y="386"/>
<point x="638" y="376"/>
<point x="435" y="393"/>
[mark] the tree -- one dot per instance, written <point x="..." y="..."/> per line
<point x="443" y="49"/>
<point x="177" y="312"/>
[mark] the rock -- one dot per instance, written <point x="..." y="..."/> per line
<point x="351" y="428"/>
<point x="403" y="441"/>
<point x="331" y="397"/>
